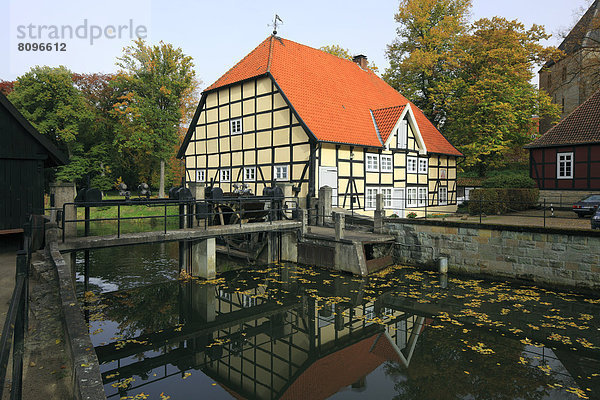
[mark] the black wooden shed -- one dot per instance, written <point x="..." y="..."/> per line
<point x="24" y="153"/>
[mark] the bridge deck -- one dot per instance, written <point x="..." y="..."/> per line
<point x="92" y="242"/>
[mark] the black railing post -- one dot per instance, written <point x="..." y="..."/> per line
<point x="544" y="213"/>
<point x="63" y="222"/>
<point x="87" y="221"/>
<point x="480" y="208"/>
<point x="118" y="220"/>
<point x="165" y="217"/>
<point x="19" y="332"/>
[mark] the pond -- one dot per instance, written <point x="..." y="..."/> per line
<point x="293" y="332"/>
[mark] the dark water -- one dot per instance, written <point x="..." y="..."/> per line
<point x="298" y="333"/>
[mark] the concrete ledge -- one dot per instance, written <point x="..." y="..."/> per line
<point x="497" y="227"/>
<point x="87" y="379"/>
<point x="92" y="242"/>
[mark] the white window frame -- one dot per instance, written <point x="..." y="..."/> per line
<point x="423" y="165"/>
<point x="570" y="162"/>
<point x="372" y="162"/>
<point x="388" y="165"/>
<point x="443" y="196"/>
<point x="371" y="201"/>
<point x="235" y="126"/>
<point x="281" y="176"/>
<point x="422" y="197"/>
<point x="249" y="174"/>
<point x="403" y="135"/>
<point x="200" y="175"/>
<point x="411" y="165"/>
<point x="225" y="175"/>
<point x="412" y="197"/>
<point x="386" y="192"/>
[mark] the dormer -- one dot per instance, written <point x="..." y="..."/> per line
<point x="397" y="128"/>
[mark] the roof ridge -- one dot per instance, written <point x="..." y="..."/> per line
<point x="270" y="56"/>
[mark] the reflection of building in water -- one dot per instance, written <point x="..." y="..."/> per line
<point x="294" y="346"/>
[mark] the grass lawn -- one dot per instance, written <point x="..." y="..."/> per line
<point x="134" y="218"/>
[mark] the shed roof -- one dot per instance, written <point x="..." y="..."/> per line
<point x="55" y="156"/>
<point x="582" y="126"/>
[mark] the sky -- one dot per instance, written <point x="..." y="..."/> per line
<point x="87" y="36"/>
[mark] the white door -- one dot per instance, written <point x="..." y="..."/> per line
<point x="398" y="202"/>
<point x="328" y="177"/>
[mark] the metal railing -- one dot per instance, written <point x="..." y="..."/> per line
<point x="16" y="324"/>
<point x="189" y="213"/>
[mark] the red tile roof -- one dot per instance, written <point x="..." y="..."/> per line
<point x="331" y="373"/>
<point x="582" y="126"/>
<point x="386" y="119"/>
<point x="332" y="96"/>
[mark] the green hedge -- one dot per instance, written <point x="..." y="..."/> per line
<point x="502" y="200"/>
<point x="511" y="180"/>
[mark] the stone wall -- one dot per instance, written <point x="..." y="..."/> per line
<point x="550" y="256"/>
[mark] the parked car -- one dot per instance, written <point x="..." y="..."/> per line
<point x="596" y="219"/>
<point x="587" y="205"/>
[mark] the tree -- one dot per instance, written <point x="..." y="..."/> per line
<point x="490" y="101"/>
<point x="422" y="55"/>
<point x="6" y="87"/>
<point x="346" y="54"/>
<point x="154" y="86"/>
<point x="49" y="100"/>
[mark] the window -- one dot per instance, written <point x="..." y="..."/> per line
<point x="200" y="175"/>
<point x="422" y="196"/>
<point x="422" y="165"/>
<point x="386" y="164"/>
<point x="281" y="172"/>
<point x="402" y="134"/>
<point x="249" y="174"/>
<point x="564" y="74"/>
<point x="411" y="197"/>
<point x="225" y="175"/>
<point x="371" y="198"/>
<point x="387" y="197"/>
<point x="372" y="162"/>
<point x="443" y="196"/>
<point x="443" y="173"/>
<point x="236" y="126"/>
<point x="564" y="165"/>
<point x="411" y="165"/>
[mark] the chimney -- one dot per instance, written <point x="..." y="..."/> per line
<point x="361" y="60"/>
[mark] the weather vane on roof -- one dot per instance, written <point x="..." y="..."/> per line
<point x="274" y="25"/>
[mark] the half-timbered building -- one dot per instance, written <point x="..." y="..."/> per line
<point x="565" y="161"/>
<point x="290" y="113"/>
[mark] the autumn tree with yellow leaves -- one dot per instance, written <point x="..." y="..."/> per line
<point x="157" y="86"/>
<point x="472" y="80"/>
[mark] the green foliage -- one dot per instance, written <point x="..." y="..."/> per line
<point x="423" y="54"/>
<point x="501" y="200"/>
<point x="154" y="88"/>
<point x="48" y="99"/>
<point x="510" y="180"/>
<point x="472" y="82"/>
<point x="492" y="103"/>
<point x="411" y="215"/>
